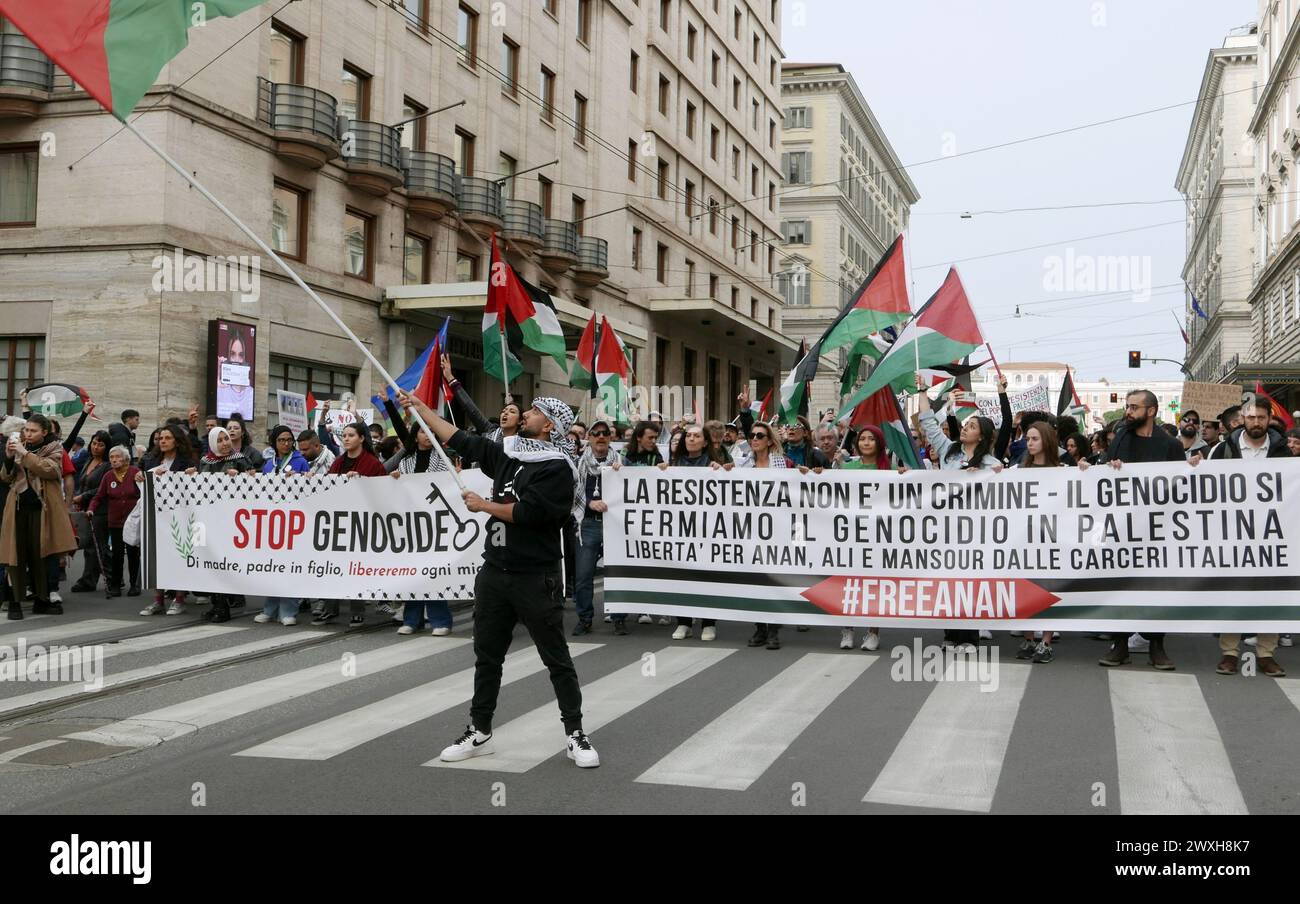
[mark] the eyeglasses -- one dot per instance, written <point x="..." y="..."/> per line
<point x="758" y="436"/>
<point x="596" y="433"/>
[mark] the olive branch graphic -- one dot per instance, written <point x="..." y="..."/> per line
<point x="184" y="542"/>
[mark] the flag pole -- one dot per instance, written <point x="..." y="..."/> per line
<point x="267" y="250"/>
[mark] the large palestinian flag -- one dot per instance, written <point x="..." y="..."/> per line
<point x="794" y="391"/>
<point x="114" y="49"/>
<point x="880" y="302"/>
<point x="613" y="372"/>
<point x="584" y="362"/>
<point x="512" y="300"/>
<point x="882" y="409"/>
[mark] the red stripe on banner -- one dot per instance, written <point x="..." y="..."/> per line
<point x="923" y="598"/>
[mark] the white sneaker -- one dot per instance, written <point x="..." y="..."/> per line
<point x="1056" y="635"/>
<point x="609" y="619"/>
<point x="440" y="632"/>
<point x="1138" y="644"/>
<point x="581" y="751"/>
<point x="152" y="609"/>
<point x="644" y="620"/>
<point x="385" y="607"/>
<point x="986" y="634"/>
<point x="1284" y="640"/>
<point x="175" y="608"/>
<point x="1249" y="641"/>
<point x="965" y="648"/>
<point x="55" y="598"/>
<point x="262" y="618"/>
<point x="708" y="634"/>
<point x="871" y="641"/>
<point x="682" y="632"/>
<point x="846" y="638"/>
<point x="472" y="743"/>
<point x="406" y="629"/>
<point x="665" y="620"/>
<point x="289" y="621"/>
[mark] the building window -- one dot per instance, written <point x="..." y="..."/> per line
<point x="662" y="184"/>
<point x="735" y="162"/>
<point x="753" y="180"/>
<point x="754" y="116"/>
<point x="771" y="196"/>
<point x="690" y="198"/>
<point x="797" y="166"/>
<point x="579" y="213"/>
<point x="753" y="307"/>
<point x="548" y="95"/>
<point x="715" y="68"/>
<point x="735" y="93"/>
<point x="636" y="248"/>
<point x="415" y="131"/>
<point x="467" y="35"/>
<point x="634" y="72"/>
<point x="551" y="6"/>
<point x="713" y="216"/>
<point x="354" y="100"/>
<point x="665" y="9"/>
<point x="510" y="67"/>
<point x="466" y="266"/>
<point x="735" y="232"/>
<point x="288" y="220"/>
<point x="691" y="35"/>
<point x="579" y="119"/>
<point x="506" y="167"/>
<point x="771" y="72"/>
<point x="464" y="152"/>
<point x="663" y="96"/>
<point x="358" y="244"/>
<point x="631" y="159"/>
<point x="756" y="46"/>
<point x="544" y="195"/>
<point x="714" y="135"/>
<point x="796" y="232"/>
<point x="753" y="247"/>
<point x="18" y="186"/>
<point x="690" y="278"/>
<point x="287" y="55"/>
<point x="688" y="366"/>
<point x="415" y="260"/>
<point x="22" y="364"/>
<point x="303" y="377"/>
<point x="661" y="263"/>
<point x="735" y="24"/>
<point x="771" y="133"/>
<point x="735" y="298"/>
<point x="584" y="21"/>
<point x="690" y="120"/>
<point x="798" y="118"/>
<point x="713" y="286"/>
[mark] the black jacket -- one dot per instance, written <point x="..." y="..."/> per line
<point x="1230" y="447"/>
<point x="542" y="492"/>
<point x="1130" y="448"/>
<point x="122" y="436"/>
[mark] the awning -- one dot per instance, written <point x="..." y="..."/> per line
<point x="716" y="325"/>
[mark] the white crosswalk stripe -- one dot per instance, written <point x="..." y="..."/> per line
<point x="176" y="721"/>
<point x="951" y="755"/>
<point x="54" y="632"/>
<point x="735" y="749"/>
<point x="1171" y="756"/>
<point x="343" y="732"/>
<point x="534" y="738"/>
<point x="10" y="755"/>
<point x="151" y="641"/>
<point x="1291" y="688"/>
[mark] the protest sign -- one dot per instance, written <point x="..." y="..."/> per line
<point x="293" y="410"/>
<point x="1209" y="400"/>
<point x="1035" y="398"/>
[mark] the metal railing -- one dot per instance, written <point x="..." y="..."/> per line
<point x="23" y="66"/>
<point x="523" y="218"/>
<point x="560" y="237"/>
<point x="428" y="173"/>
<point x="297" y="108"/>
<point x="593" y="254"/>
<point x="372" y="142"/>
<point x="478" y="196"/>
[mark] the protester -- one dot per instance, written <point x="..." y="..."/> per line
<point x="358" y="460"/>
<point x="123" y="433"/>
<point x="90" y="470"/>
<point x="1078" y="447"/>
<point x="418" y="456"/>
<point x="1041" y="451"/>
<point x="594" y="458"/>
<point x="319" y="459"/>
<point x="285" y="459"/>
<point x="766" y="452"/>
<point x="799" y="450"/>
<point x="1138" y="440"/>
<point x="116" y="496"/>
<point x="695" y="449"/>
<point x="828" y="442"/>
<point x="642" y="450"/>
<point x="376" y="434"/>
<point x="1211" y="432"/>
<point x="36" y="523"/>
<point x="243" y="441"/>
<point x="1190" y="437"/>
<point x="1293" y="441"/>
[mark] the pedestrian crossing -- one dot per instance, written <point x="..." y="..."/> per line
<point x="729" y="721"/>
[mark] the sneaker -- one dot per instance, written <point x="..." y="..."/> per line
<point x="709" y="633"/>
<point x="1269" y="666"/>
<point x="175" y="608"/>
<point x="665" y="620"/>
<point x="581" y="628"/>
<point x="1042" y="653"/>
<point x="645" y="620"/>
<point x="620" y="628"/>
<point x="440" y="632"/>
<point x="760" y="636"/>
<point x="357" y="619"/>
<point x="385" y="607"/>
<point x="1249" y="641"/>
<point x="406" y="629"/>
<point x="682" y="632"/>
<point x="1138" y="644"/>
<point x="608" y="619"/>
<point x="472" y="743"/>
<point x="262" y="618"/>
<point x="581" y="751"/>
<point x="965" y="648"/>
<point x="846" y="638"/>
<point x="154" y="608"/>
<point x="871" y="642"/>
<point x="323" y="618"/>
<point x="1026" y="649"/>
<point x="1284" y="640"/>
<point x="289" y="621"/>
<point x="1116" y="655"/>
<point x="986" y="634"/>
<point x="55" y="599"/>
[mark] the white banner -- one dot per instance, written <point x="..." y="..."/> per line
<point x="1035" y="398"/>
<point x="293" y="410"/>
<point x="328" y="537"/>
<point x="1162" y="547"/>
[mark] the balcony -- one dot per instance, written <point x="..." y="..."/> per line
<point x="26" y="77"/>
<point x="480" y="204"/>
<point x="304" y="120"/>
<point x="430" y="183"/>
<point x="559" y="249"/>
<point x="523" y="224"/>
<point x="593" y="261"/>
<point x="372" y="155"/>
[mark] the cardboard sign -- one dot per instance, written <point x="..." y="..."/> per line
<point x="1209" y="400"/>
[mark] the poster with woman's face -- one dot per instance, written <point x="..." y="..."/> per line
<point x="235" y="374"/>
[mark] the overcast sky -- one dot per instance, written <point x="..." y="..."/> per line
<point x="945" y="75"/>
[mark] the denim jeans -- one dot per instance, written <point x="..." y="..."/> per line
<point x="593" y="544"/>
<point x="280" y="607"/>
<point x="435" y="613"/>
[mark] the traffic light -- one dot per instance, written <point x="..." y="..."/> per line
<point x="1114" y="398"/>
<point x="1134" y="359"/>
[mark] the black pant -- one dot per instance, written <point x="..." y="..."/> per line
<point x="570" y="557"/>
<point x="704" y="622"/>
<point x="121" y="549"/>
<point x="502" y="599"/>
<point x="31" y="566"/>
<point x="98" y="557"/>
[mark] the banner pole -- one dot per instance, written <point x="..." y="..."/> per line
<point x="266" y="249"/>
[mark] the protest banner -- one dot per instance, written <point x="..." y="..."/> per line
<point x="293" y="410"/>
<point x="1209" y="400"/>
<point x="327" y="537"/>
<point x="335" y="419"/>
<point x="1035" y="398"/>
<point x="1161" y="547"/>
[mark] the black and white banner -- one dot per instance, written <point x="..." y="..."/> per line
<point x="1158" y="547"/>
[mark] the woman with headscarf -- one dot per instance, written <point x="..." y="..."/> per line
<point x="36" y="521"/>
<point x="115" y="498"/>
<point x="90" y="470"/>
<point x="694" y="448"/>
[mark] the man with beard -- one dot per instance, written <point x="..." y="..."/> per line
<point x="1138" y="440"/>
<point x="1253" y="442"/>
<point x="533" y="495"/>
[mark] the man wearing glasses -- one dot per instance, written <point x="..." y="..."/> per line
<point x="592" y="537"/>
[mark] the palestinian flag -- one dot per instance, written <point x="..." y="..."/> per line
<point x="794" y="391"/>
<point x="882" y="409"/>
<point x="943" y="330"/>
<point x="513" y="301"/>
<point x="114" y="49"/>
<point x="613" y="372"/>
<point x="1274" y="406"/>
<point x="57" y="399"/>
<point x="584" y="364"/>
<point x="880" y="302"/>
<point x="873" y="347"/>
<point x="1068" y="397"/>
<point x="761" y="410"/>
